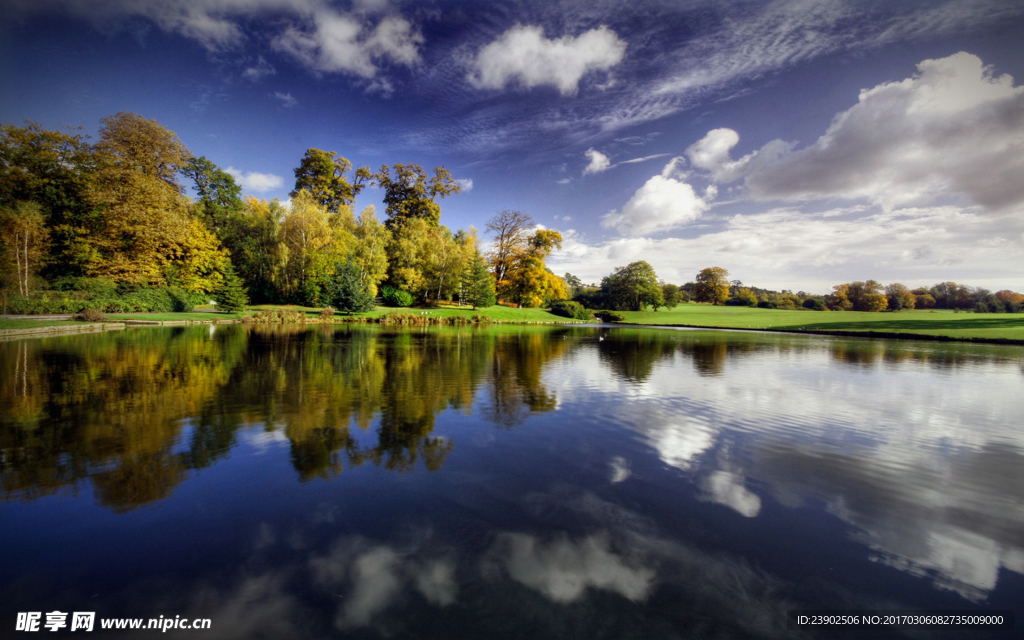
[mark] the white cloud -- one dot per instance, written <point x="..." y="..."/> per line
<point x="258" y="71"/>
<point x="341" y="43"/>
<point x="598" y="162"/>
<point x="254" y="181"/>
<point x="466" y="184"/>
<point x="727" y="488"/>
<point x="665" y="202"/>
<point x="522" y="54"/>
<point x="286" y="99"/>
<point x="953" y="129"/>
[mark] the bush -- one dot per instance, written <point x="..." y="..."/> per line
<point x="570" y="309"/>
<point x="610" y="316"/>
<point x="815" y="304"/>
<point x="766" y="304"/>
<point x="396" y="297"/>
<point x="90" y="315"/>
<point x="327" y="314"/>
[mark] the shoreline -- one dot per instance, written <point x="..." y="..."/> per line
<point x="96" y="327"/>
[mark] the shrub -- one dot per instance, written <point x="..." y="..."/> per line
<point x="90" y="315"/>
<point x="327" y="314"/>
<point x="610" y="316"/>
<point x="767" y="304"/>
<point x="396" y="297"/>
<point x="815" y="304"/>
<point x="570" y="309"/>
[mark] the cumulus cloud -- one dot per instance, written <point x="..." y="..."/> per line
<point x="725" y="487"/>
<point x="286" y="99"/>
<point x="254" y="181"/>
<point x="466" y="184"/>
<point x="522" y="54"/>
<point x="665" y="202"/>
<point x="335" y="42"/>
<point x="598" y="162"/>
<point x="953" y="129"/>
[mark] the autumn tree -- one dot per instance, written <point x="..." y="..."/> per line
<point x="370" y="249"/>
<point x="253" y="237"/>
<point x="313" y="248"/>
<point x="899" y="297"/>
<point x="632" y="287"/>
<point x="529" y="283"/>
<point x="141" y="210"/>
<point x="511" y="231"/>
<point x="712" y="285"/>
<point x="409" y="193"/>
<point x="325" y="175"/>
<point x="839" y="299"/>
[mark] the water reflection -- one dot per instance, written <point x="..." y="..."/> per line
<point x="516" y="481"/>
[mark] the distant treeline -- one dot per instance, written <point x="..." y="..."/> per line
<point x="636" y="287"/>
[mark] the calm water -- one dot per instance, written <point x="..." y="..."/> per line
<point x="512" y="482"/>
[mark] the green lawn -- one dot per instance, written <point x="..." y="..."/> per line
<point x="919" y="322"/>
<point x="18" y="323"/>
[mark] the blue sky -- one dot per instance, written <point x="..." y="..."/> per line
<point x="798" y="144"/>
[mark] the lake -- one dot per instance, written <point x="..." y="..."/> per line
<point x="507" y="482"/>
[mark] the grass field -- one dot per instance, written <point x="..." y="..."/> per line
<point x="19" y="323"/>
<point x="918" y="322"/>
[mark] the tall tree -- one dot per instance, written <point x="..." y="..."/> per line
<point x="324" y="174"/>
<point x="257" y="253"/>
<point x="409" y="193"/>
<point x="529" y="282"/>
<point x="314" y="247"/>
<point x="712" y="285"/>
<point x="370" y="253"/>
<point x="511" y="231"/>
<point x="670" y="292"/>
<point x="141" y="210"/>
<point x="899" y="297"/>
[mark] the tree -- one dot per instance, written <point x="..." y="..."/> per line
<point x="632" y="287"/>
<point x="370" y="251"/>
<point x="25" y="234"/>
<point x="573" y="284"/>
<point x="712" y="285"/>
<point x="252" y="235"/>
<point x="324" y="174"/>
<point x="141" y="212"/>
<point x="839" y="299"/>
<point x="313" y="247"/>
<point x="511" y="231"/>
<point x="230" y="296"/>
<point x="218" y="194"/>
<point x="346" y="291"/>
<point x="529" y="282"/>
<point x="409" y="193"/>
<point x="899" y="297"/>
<point x="477" y="284"/>
<point x="670" y="293"/>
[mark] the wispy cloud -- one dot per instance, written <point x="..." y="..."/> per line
<point x="286" y="99"/>
<point x="259" y="70"/>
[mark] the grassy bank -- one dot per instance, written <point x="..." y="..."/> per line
<point x="935" y="323"/>
<point x="20" y="323"/>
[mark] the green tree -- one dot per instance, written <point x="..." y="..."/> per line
<point x="324" y="174"/>
<point x="632" y="287"/>
<point x="346" y="290"/>
<point x="230" y="296"/>
<point x="477" y="284"/>
<point x="370" y="249"/>
<point x="573" y="284"/>
<point x="670" y="293"/>
<point x="218" y="196"/>
<point x="253" y="237"/>
<point x="409" y="193"/>
<point x="712" y="285"/>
